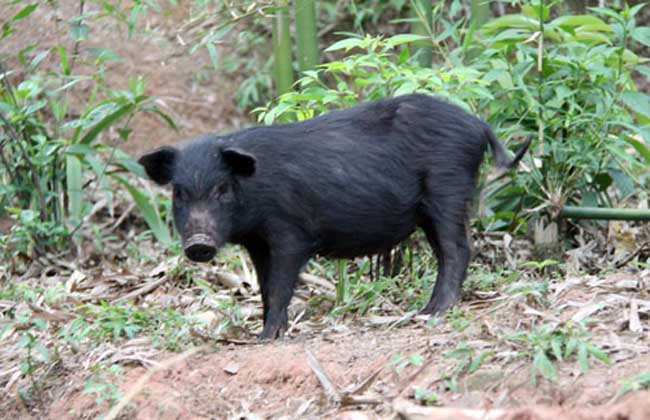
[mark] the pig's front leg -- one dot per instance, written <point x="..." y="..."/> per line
<point x="278" y="290"/>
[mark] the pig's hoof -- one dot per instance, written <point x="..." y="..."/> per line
<point x="272" y="332"/>
<point x="438" y="307"/>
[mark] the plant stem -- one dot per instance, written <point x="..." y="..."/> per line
<point x="571" y="212"/>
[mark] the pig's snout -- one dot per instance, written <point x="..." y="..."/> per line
<point x="200" y="248"/>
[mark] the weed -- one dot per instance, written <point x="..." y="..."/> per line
<point x="426" y="396"/>
<point x="638" y="383"/>
<point x="469" y="360"/>
<point x="401" y="361"/>
<point x="556" y="342"/>
<point x="459" y="319"/>
<point x="102" y="383"/>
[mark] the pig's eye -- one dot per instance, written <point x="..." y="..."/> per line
<point x="220" y="190"/>
<point x="181" y="194"/>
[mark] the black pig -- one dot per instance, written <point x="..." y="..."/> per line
<point x="349" y="183"/>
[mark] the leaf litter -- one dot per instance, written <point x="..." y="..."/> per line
<point x="478" y="363"/>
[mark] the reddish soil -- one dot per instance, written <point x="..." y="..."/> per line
<point x="274" y="380"/>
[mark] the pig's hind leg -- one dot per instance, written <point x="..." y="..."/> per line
<point x="445" y="208"/>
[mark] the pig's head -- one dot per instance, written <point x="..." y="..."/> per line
<point x="205" y="181"/>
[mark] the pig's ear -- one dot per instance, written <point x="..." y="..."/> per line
<point x="159" y="164"/>
<point x="239" y="162"/>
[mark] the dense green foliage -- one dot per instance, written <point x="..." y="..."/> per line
<point x="572" y="89"/>
<point x="54" y="162"/>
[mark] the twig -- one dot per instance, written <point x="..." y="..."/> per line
<point x="331" y="390"/>
<point x="143" y="290"/>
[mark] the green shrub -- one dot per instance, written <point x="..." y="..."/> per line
<point x="52" y="162"/>
<point x="583" y="107"/>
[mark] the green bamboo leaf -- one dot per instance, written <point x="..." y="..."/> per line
<point x="400" y="39"/>
<point x="556" y="347"/>
<point x="583" y="357"/>
<point x="106" y="122"/>
<point x="24" y="12"/>
<point x="598" y="353"/>
<point x="133" y="18"/>
<point x="63" y="59"/>
<point x="74" y="184"/>
<point x="638" y="102"/>
<point x="214" y="55"/>
<point x="544" y="366"/>
<point x="510" y="21"/>
<point x="149" y="212"/>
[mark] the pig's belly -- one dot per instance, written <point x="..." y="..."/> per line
<point x="353" y="238"/>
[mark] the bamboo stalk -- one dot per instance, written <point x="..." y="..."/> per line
<point x="306" y="34"/>
<point x="571" y="212"/>
<point x="282" y="66"/>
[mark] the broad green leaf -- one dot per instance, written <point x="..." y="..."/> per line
<point x="533" y="11"/>
<point x="644" y="70"/>
<point x="641" y="148"/>
<point x="106" y="122"/>
<point x="642" y="34"/>
<point x="346" y="44"/>
<point x="104" y="54"/>
<point x="595" y="37"/>
<point x="510" y="21"/>
<point x="607" y="12"/>
<point x="79" y="31"/>
<point x="400" y="39"/>
<point x="74" y="184"/>
<point x="149" y="212"/>
<point x="578" y="20"/>
<point x="638" y="102"/>
<point x="623" y="182"/>
<point x="597" y="27"/>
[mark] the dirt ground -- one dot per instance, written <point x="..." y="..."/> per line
<point x="357" y="368"/>
<point x="340" y="369"/>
